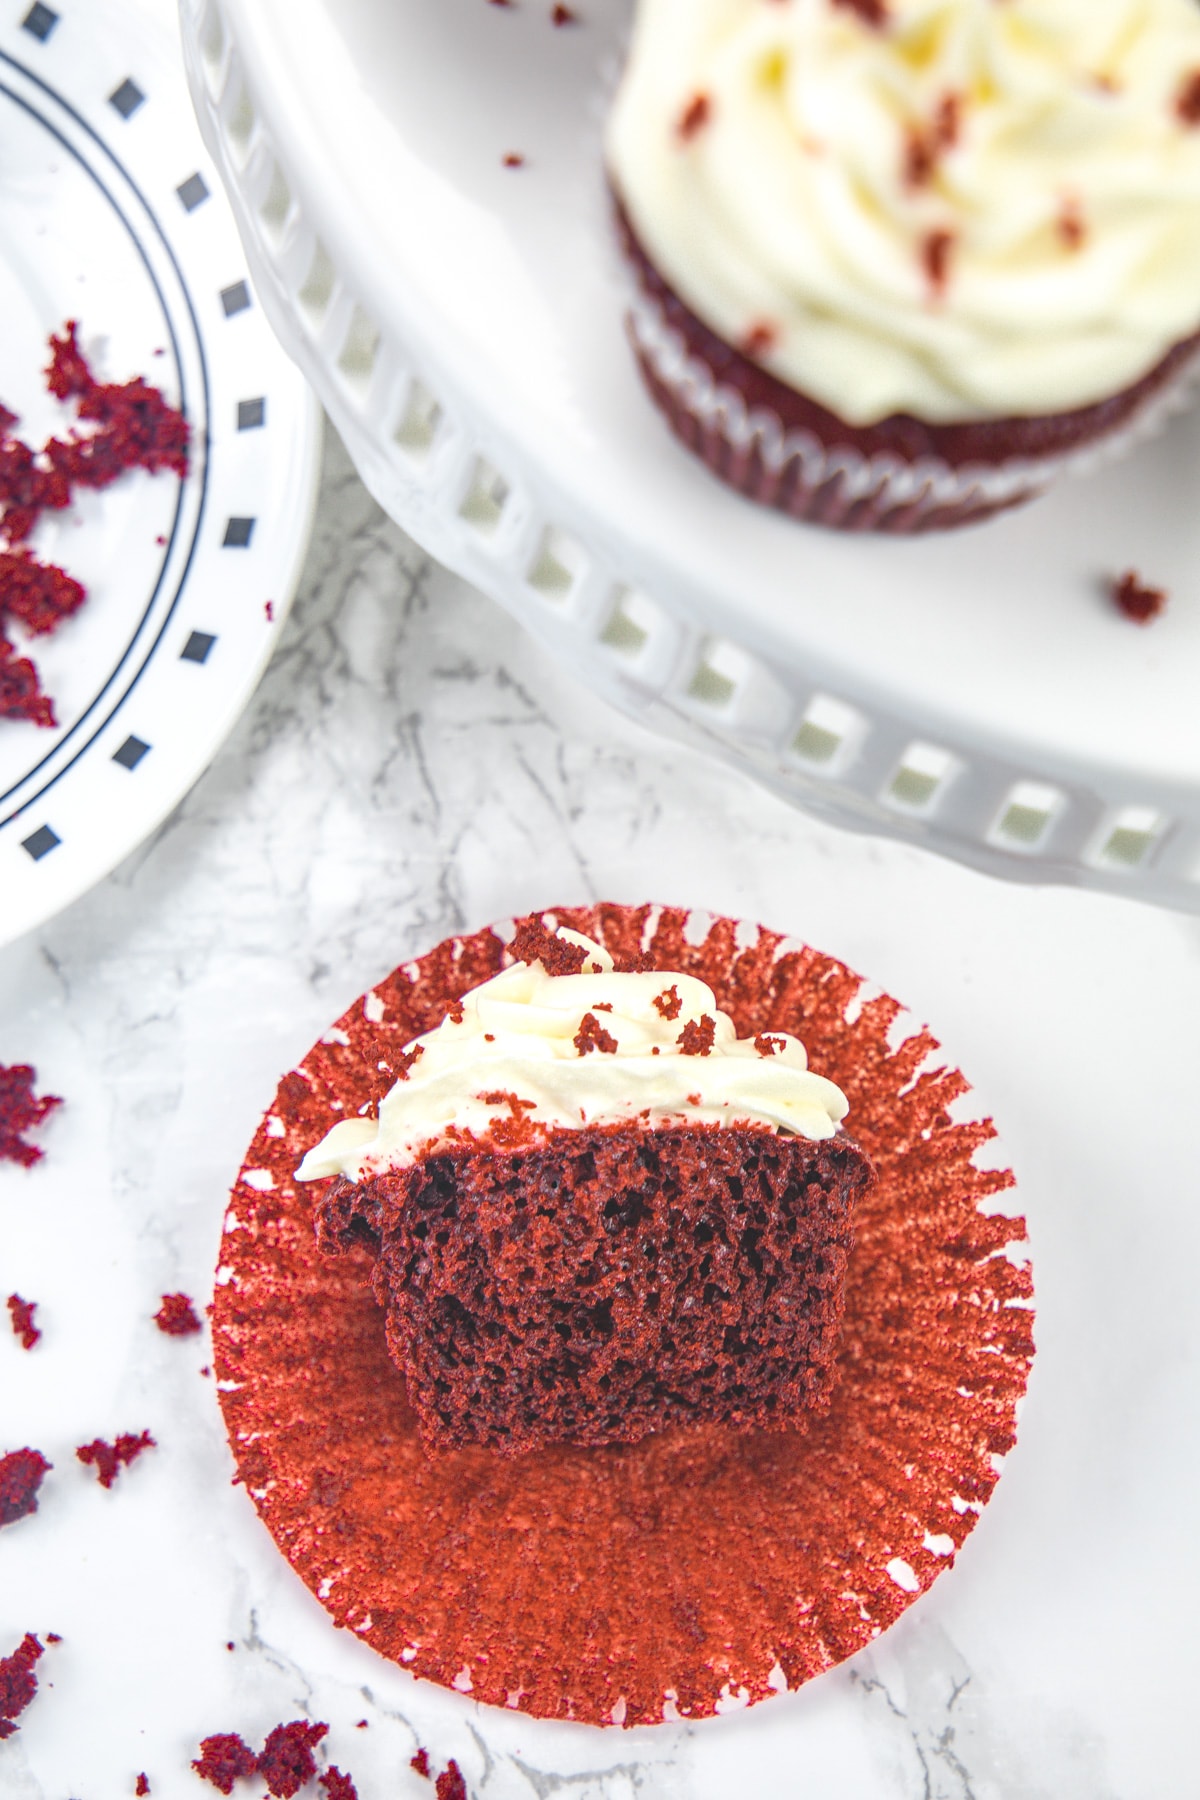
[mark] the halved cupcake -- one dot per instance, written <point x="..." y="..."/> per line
<point x="523" y="1580"/>
<point x="596" y="1212"/>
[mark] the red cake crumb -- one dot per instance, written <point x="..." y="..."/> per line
<point x="1136" y="600"/>
<point x="22" y="1320"/>
<point x="21" y="1474"/>
<point x="592" y="1036"/>
<point x="924" y="146"/>
<point x="40" y="595"/>
<point x="18" y="1683"/>
<point x="920" y="158"/>
<point x="935" y="257"/>
<point x="450" y="1783"/>
<point x="871" y="12"/>
<point x="694" y="117"/>
<point x="110" y="1458"/>
<point x="142" y="1785"/>
<point x="760" y="339"/>
<point x="19" y="1110"/>
<point x="337" y="1785"/>
<point x="668" y="1003"/>
<point x="21" y="694"/>
<point x="698" y="1035"/>
<point x="139" y="430"/>
<point x="287" y="1762"/>
<point x="177" y="1316"/>
<point x="766" y="1045"/>
<point x="1071" y="228"/>
<point x="564" y="15"/>
<point x="134" y="428"/>
<point x="534" y="942"/>
<point x="224" y="1759"/>
<point x="420" y="1762"/>
<point x="512" y="159"/>
<point x="1187" y="103"/>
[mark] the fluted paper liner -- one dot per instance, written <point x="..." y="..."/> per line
<point x="699" y="1568"/>
<point x="793" y="470"/>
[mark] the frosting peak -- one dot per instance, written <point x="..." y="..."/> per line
<point x="529" y="1050"/>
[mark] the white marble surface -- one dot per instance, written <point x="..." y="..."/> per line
<point x="412" y="766"/>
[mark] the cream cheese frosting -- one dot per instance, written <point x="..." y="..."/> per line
<point x="958" y="209"/>
<point x="565" y="1051"/>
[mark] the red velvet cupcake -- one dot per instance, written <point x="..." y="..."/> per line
<point x="522" y="1580"/>
<point x="875" y="289"/>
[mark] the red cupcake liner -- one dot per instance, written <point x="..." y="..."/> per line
<point x="697" y="1569"/>
<point x="782" y="449"/>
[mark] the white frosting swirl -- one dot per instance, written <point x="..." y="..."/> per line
<point x="801" y="176"/>
<point x="514" y="1053"/>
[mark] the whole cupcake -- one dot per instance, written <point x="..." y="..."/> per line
<point x="903" y="262"/>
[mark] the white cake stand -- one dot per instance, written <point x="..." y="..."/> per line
<point x="460" y="314"/>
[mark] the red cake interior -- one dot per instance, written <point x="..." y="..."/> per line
<point x="609" y="1282"/>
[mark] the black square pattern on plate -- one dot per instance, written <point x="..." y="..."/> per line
<point x="131" y="753"/>
<point x="40" y="21"/>
<point x="238" y="533"/>
<point x="251" y="414"/>
<point x="235" y="299"/>
<point x="41" y="842"/>
<point x="127" y="98"/>
<point x="197" y="647"/>
<point x="192" y="192"/>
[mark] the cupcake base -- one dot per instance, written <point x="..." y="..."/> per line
<point x="784" y="450"/>
<point x="699" y="1568"/>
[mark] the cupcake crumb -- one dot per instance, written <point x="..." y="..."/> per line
<point x="694" y="117"/>
<point x="22" y="1312"/>
<point x="871" y="12"/>
<point x="450" y="1783"/>
<point x="935" y="257"/>
<point x="20" y="1111"/>
<point x="534" y="942"/>
<point x="286" y="1763"/>
<point x="592" y="1036"/>
<point x="18" y="1683"/>
<point x="1187" y="102"/>
<point x="337" y="1785"/>
<point x="21" y="1475"/>
<point x="176" y="1317"/>
<point x="698" y="1035"/>
<point x="1136" y="599"/>
<point x="110" y="1459"/>
<point x="224" y="1758"/>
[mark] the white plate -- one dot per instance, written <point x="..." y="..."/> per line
<point x="463" y="323"/>
<point x="110" y="213"/>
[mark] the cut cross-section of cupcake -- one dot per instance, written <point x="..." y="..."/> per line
<point x="596" y="1211"/>
<point x="901" y="265"/>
